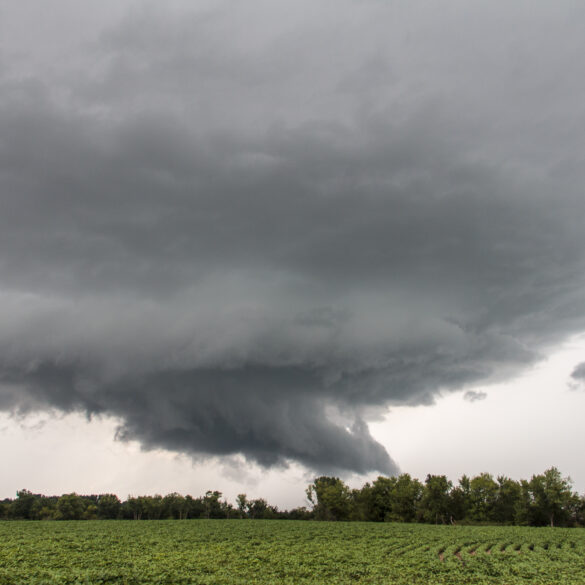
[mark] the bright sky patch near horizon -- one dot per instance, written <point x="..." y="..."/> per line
<point x="237" y="236"/>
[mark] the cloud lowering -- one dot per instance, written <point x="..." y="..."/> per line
<point x="252" y="227"/>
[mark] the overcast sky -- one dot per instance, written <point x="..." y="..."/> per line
<point x="262" y="240"/>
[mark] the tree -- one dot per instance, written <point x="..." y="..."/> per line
<point x="483" y="493"/>
<point x="195" y="507"/>
<point x="135" y="507"/>
<point x="460" y="501"/>
<point x="435" y="500"/>
<point x="405" y="498"/>
<point x="508" y="496"/>
<point x="360" y="503"/>
<point x="44" y="508"/>
<point x="524" y="508"/>
<point x="330" y="497"/>
<point x="70" y="507"/>
<point x="154" y="507"/>
<point x="175" y="506"/>
<point x="22" y="506"/>
<point x="108" y="506"/>
<point x="213" y="507"/>
<point x="242" y="502"/>
<point x="551" y="495"/>
<point x="257" y="508"/>
<point x="379" y="498"/>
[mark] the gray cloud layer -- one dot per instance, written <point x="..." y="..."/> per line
<point x="249" y="228"/>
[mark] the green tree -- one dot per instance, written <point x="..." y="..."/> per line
<point x="242" y="503"/>
<point x="435" y="502"/>
<point x="331" y="498"/>
<point x="380" y="498"/>
<point x="360" y="503"/>
<point x="155" y="507"/>
<point x="405" y="497"/>
<point x="257" y="508"/>
<point x="460" y="500"/>
<point x="70" y="507"/>
<point x="552" y="495"/>
<point x="483" y="495"/>
<point x="508" y="497"/>
<point x="22" y="506"/>
<point x="213" y="506"/>
<point x="175" y="506"/>
<point x="136" y="507"/>
<point x="44" y="508"/>
<point x="524" y="512"/>
<point x="108" y="506"/>
<point x="195" y="507"/>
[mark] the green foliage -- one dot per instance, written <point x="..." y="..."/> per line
<point x="70" y="507"/>
<point x="545" y="499"/>
<point x="483" y="494"/>
<point x="262" y="552"/>
<point x="331" y="498"/>
<point x="108" y="506"/>
<point x="435" y="503"/>
<point x="508" y="495"/>
<point x="390" y="499"/>
<point x="551" y="494"/>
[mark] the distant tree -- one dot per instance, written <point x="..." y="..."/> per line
<point x="460" y="499"/>
<point x="257" y="508"/>
<point x="435" y="500"/>
<point x="405" y="498"/>
<point x="379" y="497"/>
<point x="22" y="506"/>
<point x="108" y="506"/>
<point x="360" y="503"/>
<point x="90" y="511"/>
<point x="155" y="507"/>
<point x="44" y="508"/>
<point x="242" y="503"/>
<point x="195" y="507"/>
<point x="524" y="509"/>
<point x="175" y="506"/>
<point x="507" y="499"/>
<point x="212" y="505"/>
<point x="483" y="495"/>
<point x="300" y="513"/>
<point x="70" y="507"/>
<point x="576" y="511"/>
<point x="135" y="507"/>
<point x="552" y="495"/>
<point x="330" y="497"/>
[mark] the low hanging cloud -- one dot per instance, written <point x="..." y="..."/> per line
<point x="250" y="229"/>
<point x="474" y="395"/>
<point x="577" y="380"/>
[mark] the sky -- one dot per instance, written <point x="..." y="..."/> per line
<point x="245" y="244"/>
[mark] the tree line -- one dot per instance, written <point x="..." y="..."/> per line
<point x="30" y="506"/>
<point x="545" y="499"/>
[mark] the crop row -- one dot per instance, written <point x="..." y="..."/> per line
<point x="240" y="551"/>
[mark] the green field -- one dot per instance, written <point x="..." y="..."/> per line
<point x="264" y="551"/>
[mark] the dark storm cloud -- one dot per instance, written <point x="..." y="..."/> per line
<point x="251" y="228"/>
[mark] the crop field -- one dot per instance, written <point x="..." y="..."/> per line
<point x="263" y="551"/>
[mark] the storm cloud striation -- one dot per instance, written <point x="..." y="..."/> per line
<point x="252" y="228"/>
